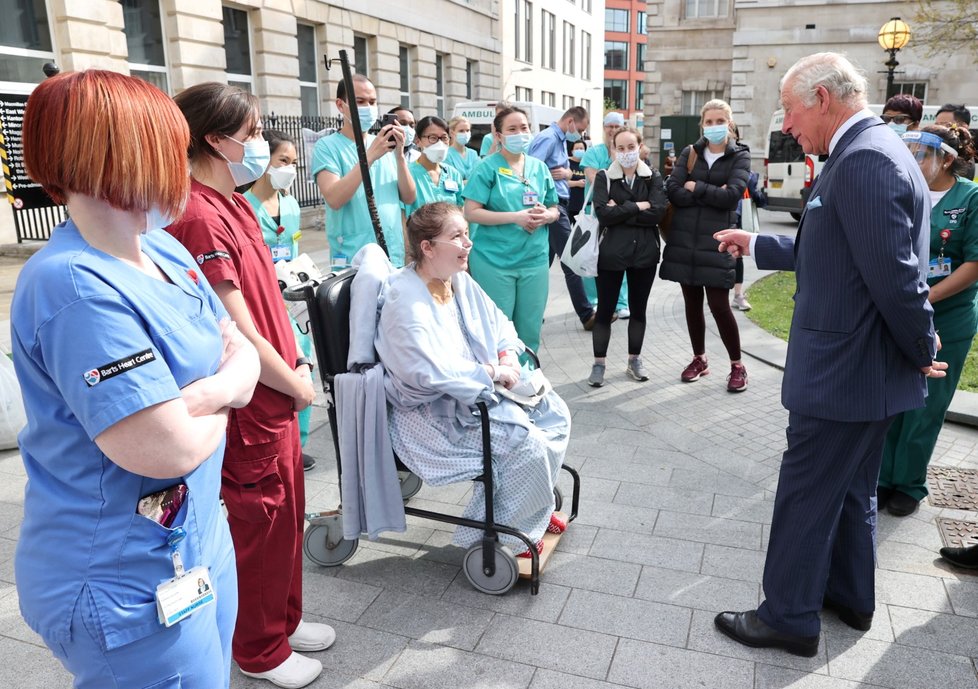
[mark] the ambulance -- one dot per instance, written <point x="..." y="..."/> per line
<point x="481" y="114"/>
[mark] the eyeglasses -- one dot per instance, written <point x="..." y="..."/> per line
<point x="897" y="119"/>
<point x="435" y="138"/>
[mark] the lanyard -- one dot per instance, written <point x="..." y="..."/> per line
<point x="173" y="540"/>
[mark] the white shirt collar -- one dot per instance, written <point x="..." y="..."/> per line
<point x="847" y="125"/>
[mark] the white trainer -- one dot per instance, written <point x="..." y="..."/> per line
<point x="312" y="636"/>
<point x="297" y="671"/>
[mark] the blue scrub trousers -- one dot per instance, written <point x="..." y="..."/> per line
<point x="520" y="293"/>
<point x="193" y="654"/>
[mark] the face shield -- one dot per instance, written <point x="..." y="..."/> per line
<point x="922" y="143"/>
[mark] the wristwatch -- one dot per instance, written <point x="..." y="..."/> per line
<point x="304" y="361"/>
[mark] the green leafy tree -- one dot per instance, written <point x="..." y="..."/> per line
<point x="610" y="104"/>
<point x="946" y="27"/>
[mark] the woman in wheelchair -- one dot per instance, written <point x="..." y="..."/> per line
<point x="444" y="344"/>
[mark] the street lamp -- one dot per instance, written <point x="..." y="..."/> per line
<point x="511" y="73"/>
<point x="893" y="35"/>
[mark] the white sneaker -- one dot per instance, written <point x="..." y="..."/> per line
<point x="297" y="671"/>
<point x="312" y="636"/>
<point x="623" y="314"/>
<point x="740" y="303"/>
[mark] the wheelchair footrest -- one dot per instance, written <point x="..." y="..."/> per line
<point x="550" y="541"/>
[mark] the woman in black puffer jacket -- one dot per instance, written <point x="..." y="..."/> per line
<point x="705" y="201"/>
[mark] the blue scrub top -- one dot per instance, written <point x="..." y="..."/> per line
<point x="284" y="245"/>
<point x="597" y="158"/>
<point x="94" y="341"/>
<point x="464" y="162"/>
<point x="449" y="189"/>
<point x="349" y="229"/>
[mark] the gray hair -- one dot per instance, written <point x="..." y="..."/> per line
<point x="835" y="72"/>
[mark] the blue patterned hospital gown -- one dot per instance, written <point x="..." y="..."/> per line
<point x="526" y="460"/>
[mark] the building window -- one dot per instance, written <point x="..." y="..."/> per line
<point x="524" y="95"/>
<point x="917" y="89"/>
<point x="548" y="98"/>
<point x="237" y="48"/>
<point x="404" y="57"/>
<point x="548" y="40"/>
<point x="440" y="85"/>
<point x="615" y="55"/>
<point x="705" y="8"/>
<point x="640" y="57"/>
<point x="524" y="31"/>
<point x="568" y="103"/>
<point x="586" y="6"/>
<point x="693" y="101"/>
<point x="585" y="56"/>
<point x="25" y="41"/>
<point x="569" y="52"/>
<point x="616" y="20"/>
<point x="586" y="104"/>
<point x="470" y="69"/>
<point x="616" y="93"/>
<point x="360" y="65"/>
<point x="144" y="39"/>
<point x="641" y="24"/>
<point x="308" y="80"/>
<point x="640" y="95"/>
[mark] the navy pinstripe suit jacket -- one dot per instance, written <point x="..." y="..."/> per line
<point x="862" y="326"/>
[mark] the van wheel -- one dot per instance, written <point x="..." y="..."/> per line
<point x="796" y="216"/>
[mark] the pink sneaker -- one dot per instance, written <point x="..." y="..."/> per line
<point x="696" y="369"/>
<point x="737" y="380"/>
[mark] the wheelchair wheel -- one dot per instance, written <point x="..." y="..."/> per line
<point x="505" y="576"/>
<point x="558" y="499"/>
<point x="410" y="484"/>
<point x="324" y="551"/>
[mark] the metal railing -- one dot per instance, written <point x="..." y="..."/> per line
<point x="305" y="190"/>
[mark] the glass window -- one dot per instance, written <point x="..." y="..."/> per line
<point x="25" y="41"/>
<point x="524" y="31"/>
<point x="237" y="47"/>
<point x="524" y="94"/>
<point x="308" y="80"/>
<point x="404" y="57"/>
<point x="586" y="104"/>
<point x="360" y="55"/>
<point x="569" y="49"/>
<point x="440" y="85"/>
<point x="616" y="93"/>
<point x="693" y="101"/>
<point x="706" y="8"/>
<point x="548" y="40"/>
<point x="144" y="39"/>
<point x="616" y="20"/>
<point x="918" y="89"/>
<point x="640" y="57"/>
<point x="615" y="55"/>
<point x="585" y="56"/>
<point x="784" y="149"/>
<point x="568" y="103"/>
<point x="548" y="98"/>
<point x="586" y="6"/>
<point x="640" y="95"/>
<point x="641" y="25"/>
<point x="470" y="69"/>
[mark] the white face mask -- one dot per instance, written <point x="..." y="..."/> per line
<point x="436" y="152"/>
<point x="281" y="178"/>
<point x="628" y="159"/>
<point x="156" y="220"/>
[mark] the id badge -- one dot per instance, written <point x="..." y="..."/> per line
<point x="281" y="253"/>
<point x="451" y="185"/>
<point x="178" y="598"/>
<point x="530" y="198"/>
<point x="939" y="267"/>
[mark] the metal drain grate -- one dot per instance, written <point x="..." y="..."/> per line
<point x="954" y="488"/>
<point x="956" y="533"/>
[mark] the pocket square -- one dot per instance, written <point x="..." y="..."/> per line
<point x="814" y="203"/>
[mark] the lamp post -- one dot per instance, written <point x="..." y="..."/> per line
<point x="893" y="35"/>
<point x="511" y="73"/>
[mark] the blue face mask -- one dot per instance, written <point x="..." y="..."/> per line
<point x="900" y="129"/>
<point x="716" y="134"/>
<point x="573" y="137"/>
<point x="409" y="135"/>
<point x="463" y="138"/>
<point x="253" y="164"/>
<point x="367" y="115"/>
<point x="517" y="143"/>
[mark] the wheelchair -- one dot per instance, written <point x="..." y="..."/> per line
<point x="489" y="565"/>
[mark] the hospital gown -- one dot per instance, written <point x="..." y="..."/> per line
<point x="434" y="354"/>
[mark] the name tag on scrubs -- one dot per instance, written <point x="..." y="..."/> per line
<point x="451" y="185"/>
<point x="281" y="253"/>
<point x="530" y="198"/>
<point x="178" y="598"/>
<point x="939" y="267"/>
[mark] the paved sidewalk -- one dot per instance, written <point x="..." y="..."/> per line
<point x="678" y="484"/>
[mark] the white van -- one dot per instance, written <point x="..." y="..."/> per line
<point x="481" y="114"/>
<point x="789" y="172"/>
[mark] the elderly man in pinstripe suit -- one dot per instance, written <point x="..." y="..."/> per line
<point x="862" y="342"/>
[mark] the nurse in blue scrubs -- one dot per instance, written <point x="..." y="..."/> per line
<point x="280" y="218"/>
<point x="128" y="366"/>
<point x="433" y="179"/>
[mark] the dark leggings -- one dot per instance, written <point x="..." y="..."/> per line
<point x="739" y="271"/>
<point x="608" y="283"/>
<point x="719" y="301"/>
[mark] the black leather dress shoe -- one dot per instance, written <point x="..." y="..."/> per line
<point x="901" y="505"/>
<point x="307" y="462"/>
<point x="883" y="496"/>
<point x="746" y="628"/>
<point x="962" y="557"/>
<point x="855" y="619"/>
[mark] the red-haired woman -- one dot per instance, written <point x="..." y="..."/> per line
<point x="128" y="366"/>
<point x="263" y="484"/>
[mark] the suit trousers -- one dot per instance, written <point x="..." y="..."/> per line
<point x="560" y="231"/>
<point x="823" y="534"/>
<point x="264" y="492"/>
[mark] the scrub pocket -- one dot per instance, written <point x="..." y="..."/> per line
<point x="252" y="488"/>
<point x="168" y="683"/>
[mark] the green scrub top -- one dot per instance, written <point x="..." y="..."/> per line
<point x="284" y="245"/>
<point x="449" y="187"/>
<point x="463" y="162"/>
<point x="486" y="145"/>
<point x="598" y="158"/>
<point x="956" y="317"/>
<point x="349" y="229"/>
<point x="498" y="188"/>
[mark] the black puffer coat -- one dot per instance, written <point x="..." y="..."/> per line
<point x="630" y="236"/>
<point x="691" y="256"/>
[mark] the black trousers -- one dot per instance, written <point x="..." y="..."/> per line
<point x="609" y="284"/>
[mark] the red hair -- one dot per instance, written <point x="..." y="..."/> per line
<point x="109" y="136"/>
